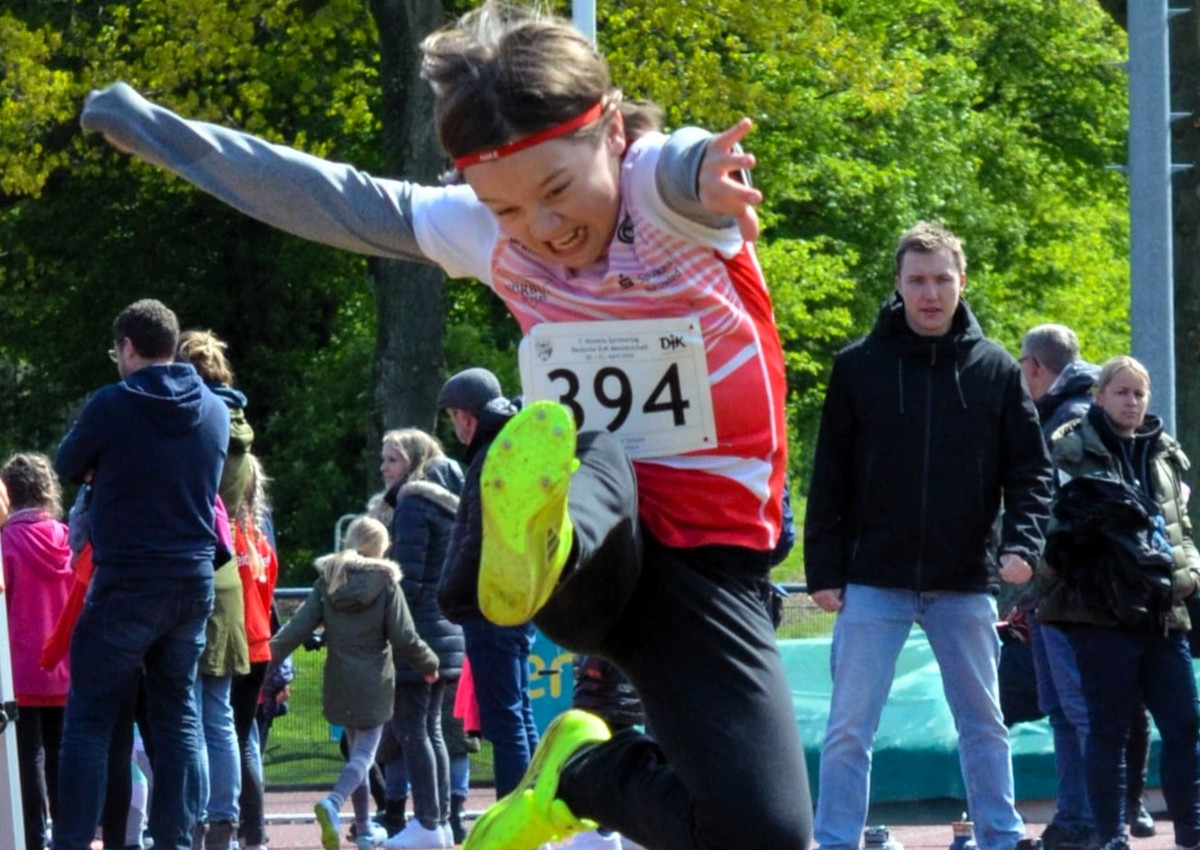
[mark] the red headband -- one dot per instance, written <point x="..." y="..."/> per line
<point x="568" y="126"/>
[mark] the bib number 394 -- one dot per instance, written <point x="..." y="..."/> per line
<point x="644" y="380"/>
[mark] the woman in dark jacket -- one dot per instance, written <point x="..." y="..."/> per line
<point x="1122" y="661"/>
<point x="422" y="490"/>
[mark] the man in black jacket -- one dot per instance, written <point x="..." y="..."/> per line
<point x="926" y="427"/>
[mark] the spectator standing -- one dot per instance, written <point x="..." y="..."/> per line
<point x="1061" y="383"/>
<point x="499" y="655"/>
<point x="422" y="488"/>
<point x="226" y="649"/>
<point x="1121" y="662"/>
<point x="37" y="582"/>
<point x="258" y="565"/>
<point x="926" y="427"/>
<point x="154" y="444"/>
<point x="357" y="597"/>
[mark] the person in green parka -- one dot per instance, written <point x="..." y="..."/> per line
<point x="226" y="654"/>
<point x="357" y="597"/>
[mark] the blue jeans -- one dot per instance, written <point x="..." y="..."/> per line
<point x="870" y="632"/>
<point x="1118" y="668"/>
<point x="500" y="664"/>
<point x="1060" y="695"/>
<point x="125" y="624"/>
<point x="220" y="756"/>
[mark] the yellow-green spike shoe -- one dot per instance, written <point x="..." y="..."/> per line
<point x="532" y="814"/>
<point x="526" y="531"/>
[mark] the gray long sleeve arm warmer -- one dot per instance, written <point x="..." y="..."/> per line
<point x="326" y="202"/>
<point x="678" y="174"/>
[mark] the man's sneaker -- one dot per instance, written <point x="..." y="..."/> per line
<point x="327" y="819"/>
<point x="531" y="814"/>
<point x="527" y="534"/>
<point x="1057" y="837"/>
<point x="417" y="837"/>
<point x="1141" y="823"/>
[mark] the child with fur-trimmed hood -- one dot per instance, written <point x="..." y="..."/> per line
<point x="357" y="597"/>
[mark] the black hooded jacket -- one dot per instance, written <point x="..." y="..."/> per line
<point x="458" y="589"/>
<point x="921" y="438"/>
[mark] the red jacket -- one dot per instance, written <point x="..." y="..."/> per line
<point x="258" y="592"/>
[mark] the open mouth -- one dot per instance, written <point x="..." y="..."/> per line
<point x="568" y="242"/>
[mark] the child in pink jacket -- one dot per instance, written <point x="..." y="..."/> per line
<point x="37" y="580"/>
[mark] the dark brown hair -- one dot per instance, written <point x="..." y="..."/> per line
<point x="31" y="483"/>
<point x="505" y="71"/>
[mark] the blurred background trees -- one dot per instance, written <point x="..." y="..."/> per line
<point x="999" y="117"/>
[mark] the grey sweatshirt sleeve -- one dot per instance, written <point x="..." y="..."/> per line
<point x="677" y="177"/>
<point x="322" y="201"/>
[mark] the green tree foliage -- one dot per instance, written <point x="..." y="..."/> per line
<point x="999" y="117"/>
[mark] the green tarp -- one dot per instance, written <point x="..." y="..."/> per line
<point x="916" y="748"/>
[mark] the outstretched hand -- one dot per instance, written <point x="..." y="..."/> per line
<point x="722" y="189"/>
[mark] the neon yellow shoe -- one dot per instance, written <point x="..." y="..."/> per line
<point x="531" y="814"/>
<point x="526" y="531"/>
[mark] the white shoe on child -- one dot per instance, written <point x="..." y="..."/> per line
<point x="416" y="837"/>
<point x="593" y="840"/>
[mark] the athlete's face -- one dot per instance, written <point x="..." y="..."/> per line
<point x="561" y="198"/>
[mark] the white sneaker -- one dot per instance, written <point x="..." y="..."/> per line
<point x="593" y="840"/>
<point x="416" y="837"/>
<point x="447" y="835"/>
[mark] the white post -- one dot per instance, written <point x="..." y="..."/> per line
<point x="1152" y="288"/>
<point x="12" y="823"/>
<point x="583" y="14"/>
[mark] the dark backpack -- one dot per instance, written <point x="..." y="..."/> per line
<point x="1105" y="540"/>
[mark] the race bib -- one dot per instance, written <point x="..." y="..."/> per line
<point x="644" y="380"/>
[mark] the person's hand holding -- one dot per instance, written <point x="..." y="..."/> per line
<point x="828" y="600"/>
<point x="431" y="677"/>
<point x="1014" y="569"/>
<point x="721" y="188"/>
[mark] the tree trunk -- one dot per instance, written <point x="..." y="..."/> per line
<point x="409" y="297"/>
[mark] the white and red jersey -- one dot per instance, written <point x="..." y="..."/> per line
<point x="659" y="265"/>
